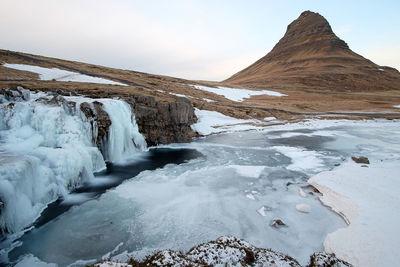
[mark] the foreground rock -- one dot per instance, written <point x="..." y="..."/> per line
<point x="226" y="251"/>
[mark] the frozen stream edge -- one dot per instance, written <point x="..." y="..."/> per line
<point x="367" y="199"/>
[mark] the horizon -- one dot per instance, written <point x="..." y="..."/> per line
<point x="198" y="40"/>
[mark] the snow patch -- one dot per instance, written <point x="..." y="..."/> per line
<point x="236" y="94"/>
<point x="47" y="74"/>
<point x="210" y="122"/>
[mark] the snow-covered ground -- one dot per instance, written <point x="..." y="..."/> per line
<point x="210" y="122"/>
<point x="47" y="74"/>
<point x="236" y="94"/>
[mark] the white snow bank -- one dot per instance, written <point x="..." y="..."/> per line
<point x="235" y="94"/>
<point x="47" y="150"/>
<point x="368" y="198"/>
<point x="214" y="122"/>
<point x="47" y="74"/>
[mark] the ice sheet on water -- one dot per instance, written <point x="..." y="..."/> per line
<point x="180" y="206"/>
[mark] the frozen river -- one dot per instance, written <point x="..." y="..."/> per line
<point x="238" y="184"/>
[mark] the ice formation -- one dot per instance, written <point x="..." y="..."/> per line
<point x="48" y="148"/>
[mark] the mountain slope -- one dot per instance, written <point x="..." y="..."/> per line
<point x="311" y="56"/>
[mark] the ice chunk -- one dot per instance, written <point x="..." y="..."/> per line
<point x="261" y="211"/>
<point x="305" y="208"/>
<point x="250" y="196"/>
<point x="302" y="193"/>
<point x="248" y="171"/>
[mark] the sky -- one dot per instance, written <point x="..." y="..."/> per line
<point x="193" y="39"/>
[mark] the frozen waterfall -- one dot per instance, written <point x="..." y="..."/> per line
<point x="48" y="147"/>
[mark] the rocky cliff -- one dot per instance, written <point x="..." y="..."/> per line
<point x="163" y="122"/>
<point x="311" y="56"/>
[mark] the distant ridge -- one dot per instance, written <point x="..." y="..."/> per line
<point x="311" y="56"/>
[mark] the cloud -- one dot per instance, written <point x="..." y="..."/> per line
<point x="385" y="56"/>
<point x="123" y="35"/>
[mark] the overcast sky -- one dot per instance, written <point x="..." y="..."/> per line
<point x="194" y="39"/>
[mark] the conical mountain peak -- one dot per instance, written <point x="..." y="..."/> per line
<point x="310" y="55"/>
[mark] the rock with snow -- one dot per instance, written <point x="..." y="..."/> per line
<point x="277" y="223"/>
<point x="226" y="251"/>
<point x="326" y="260"/>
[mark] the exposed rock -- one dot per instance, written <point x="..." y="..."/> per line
<point x="16" y="93"/>
<point x="322" y="259"/>
<point x="97" y="117"/>
<point x="277" y="223"/>
<point x="360" y="160"/>
<point x="163" y="122"/>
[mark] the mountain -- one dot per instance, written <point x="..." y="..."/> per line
<point x="311" y="56"/>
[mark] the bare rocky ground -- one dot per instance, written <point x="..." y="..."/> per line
<point x="164" y="117"/>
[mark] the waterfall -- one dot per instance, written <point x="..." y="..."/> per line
<point x="48" y="148"/>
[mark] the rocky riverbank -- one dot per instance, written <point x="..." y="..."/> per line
<point x="226" y="251"/>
